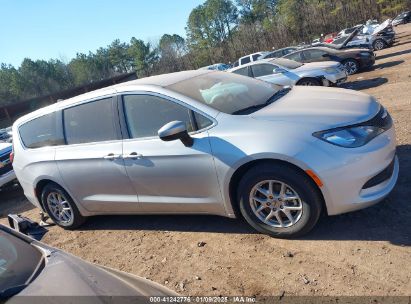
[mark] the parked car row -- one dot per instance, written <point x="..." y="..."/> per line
<point x="287" y="72"/>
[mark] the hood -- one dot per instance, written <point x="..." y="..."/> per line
<point x="317" y="65"/>
<point x="66" y="275"/>
<point x="322" y="106"/>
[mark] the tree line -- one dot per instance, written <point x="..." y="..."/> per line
<point x="217" y="31"/>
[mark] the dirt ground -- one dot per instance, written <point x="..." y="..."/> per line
<point x="362" y="253"/>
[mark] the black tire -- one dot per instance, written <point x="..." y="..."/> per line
<point x="351" y="66"/>
<point x="309" y="82"/>
<point x="76" y="220"/>
<point x="310" y="198"/>
<point x="379" y="44"/>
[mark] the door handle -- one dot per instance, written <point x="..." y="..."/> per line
<point x="133" y="155"/>
<point x="111" y="156"/>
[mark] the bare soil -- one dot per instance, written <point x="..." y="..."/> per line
<point x="361" y="253"/>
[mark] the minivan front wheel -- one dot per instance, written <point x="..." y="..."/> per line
<point x="279" y="201"/>
<point x="60" y="207"/>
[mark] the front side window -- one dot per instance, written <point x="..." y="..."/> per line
<point x="94" y="121"/>
<point x="263" y="69"/>
<point x="294" y="56"/>
<point x="288" y="51"/>
<point x="202" y="122"/>
<point x="146" y="114"/>
<point x="242" y="71"/>
<point x="314" y="54"/>
<point x="42" y="131"/>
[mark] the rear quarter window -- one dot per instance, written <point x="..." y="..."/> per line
<point x="42" y="131"/>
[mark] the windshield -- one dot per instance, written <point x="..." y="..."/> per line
<point x="18" y="261"/>
<point x="226" y="92"/>
<point x="287" y="63"/>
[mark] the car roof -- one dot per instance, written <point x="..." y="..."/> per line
<point x="163" y="80"/>
<point x="265" y="60"/>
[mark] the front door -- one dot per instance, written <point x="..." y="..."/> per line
<point x="168" y="176"/>
<point x="91" y="163"/>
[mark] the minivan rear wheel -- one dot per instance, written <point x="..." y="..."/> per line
<point x="278" y="200"/>
<point x="60" y="207"/>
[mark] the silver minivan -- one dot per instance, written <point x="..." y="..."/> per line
<point x="207" y="142"/>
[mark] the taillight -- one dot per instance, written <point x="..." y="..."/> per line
<point x="11" y="156"/>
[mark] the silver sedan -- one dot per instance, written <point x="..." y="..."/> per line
<point x="286" y="72"/>
<point x="211" y="143"/>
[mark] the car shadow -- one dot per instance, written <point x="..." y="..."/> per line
<point x="386" y="221"/>
<point x="393" y="54"/>
<point x="364" y="84"/>
<point x="402" y="43"/>
<point x="386" y="65"/>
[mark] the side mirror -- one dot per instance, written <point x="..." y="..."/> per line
<point x="175" y="130"/>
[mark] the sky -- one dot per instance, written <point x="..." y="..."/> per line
<point x="58" y="29"/>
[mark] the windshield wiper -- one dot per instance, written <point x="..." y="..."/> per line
<point x="277" y="95"/>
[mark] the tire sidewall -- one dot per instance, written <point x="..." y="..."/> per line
<point x="315" y="82"/>
<point x="299" y="183"/>
<point x="356" y="64"/>
<point x="377" y="41"/>
<point x="77" y="219"/>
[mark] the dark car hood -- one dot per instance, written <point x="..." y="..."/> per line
<point x="66" y="275"/>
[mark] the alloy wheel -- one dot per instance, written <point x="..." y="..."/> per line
<point x="378" y="45"/>
<point x="351" y="67"/>
<point x="276" y="204"/>
<point x="59" y="207"/>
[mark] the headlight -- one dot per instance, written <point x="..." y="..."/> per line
<point x="357" y="135"/>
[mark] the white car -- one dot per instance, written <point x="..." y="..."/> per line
<point x="249" y="58"/>
<point x="286" y="72"/>
<point x="208" y="142"/>
<point x="6" y="169"/>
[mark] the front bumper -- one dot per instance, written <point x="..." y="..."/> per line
<point x="345" y="171"/>
<point x="335" y="79"/>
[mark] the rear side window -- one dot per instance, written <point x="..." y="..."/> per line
<point x="245" y="60"/>
<point x="91" y="122"/>
<point x="42" y="131"/>
<point x="146" y="114"/>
